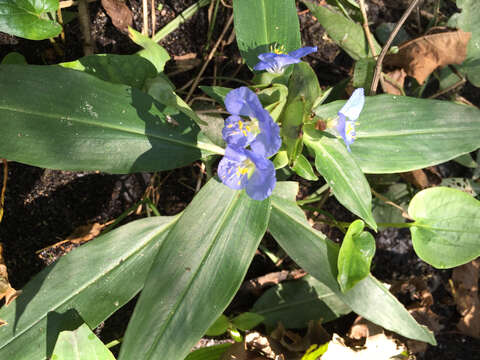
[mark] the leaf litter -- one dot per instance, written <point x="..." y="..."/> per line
<point x="421" y="56"/>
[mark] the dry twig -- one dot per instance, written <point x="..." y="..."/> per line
<point x="378" y="67"/>
<point x="209" y="58"/>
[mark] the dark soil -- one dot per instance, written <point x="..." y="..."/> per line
<point x="44" y="206"/>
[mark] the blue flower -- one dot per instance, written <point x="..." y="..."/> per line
<point x="276" y="62"/>
<point x="347" y="116"/>
<point x="258" y="131"/>
<point x="245" y="169"/>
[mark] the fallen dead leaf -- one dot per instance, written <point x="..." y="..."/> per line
<point x="362" y="329"/>
<point x="394" y="81"/>
<point x="293" y="342"/>
<point x="120" y="14"/>
<point x="421" y="56"/>
<point x="422" y="178"/>
<point x="377" y="347"/>
<point x="3" y="323"/>
<point x="465" y="282"/>
<point x="6" y="290"/>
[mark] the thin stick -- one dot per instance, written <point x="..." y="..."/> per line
<point x="145" y="17"/>
<point x="366" y="28"/>
<point x="84" y="19"/>
<point x="154" y="18"/>
<point x="446" y="90"/>
<point x="391" y="203"/>
<point x="209" y="58"/>
<point x="378" y="66"/>
<point x="4" y="187"/>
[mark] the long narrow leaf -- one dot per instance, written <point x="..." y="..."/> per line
<point x="196" y="273"/>
<point x="399" y="133"/>
<point x="93" y="281"/>
<point x="65" y="119"/>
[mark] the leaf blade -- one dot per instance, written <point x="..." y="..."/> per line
<point x="182" y="284"/>
<point x="409" y="133"/>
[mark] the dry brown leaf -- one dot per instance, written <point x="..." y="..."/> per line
<point x="120" y="14"/>
<point x="362" y="329"/>
<point x="465" y="281"/>
<point x="417" y="178"/>
<point x="3" y="322"/>
<point x="291" y="341"/>
<point x="394" y="81"/>
<point x="377" y="347"/>
<point x="6" y="290"/>
<point x="255" y="347"/>
<point x="421" y="56"/>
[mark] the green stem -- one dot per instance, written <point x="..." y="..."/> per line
<point x="113" y="343"/>
<point x="180" y="19"/>
<point x="122" y="216"/>
<point x="397" y="225"/>
<point x="212" y="25"/>
<point x="315" y="196"/>
<point x="152" y="206"/>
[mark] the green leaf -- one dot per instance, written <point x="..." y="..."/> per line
<point x="131" y="70"/>
<point x="14" y="58"/>
<point x="347" y="34"/>
<point x="446" y="231"/>
<point x="386" y="213"/>
<point x="261" y="25"/>
<point x="318" y="255"/>
<point x="355" y="256"/>
<point x="209" y="353"/>
<point x="196" y="273"/>
<point x="303" y="91"/>
<point x="152" y="51"/>
<point x="400" y="133"/>
<point x="345" y="178"/>
<point x="247" y="321"/>
<point x="218" y="327"/>
<point x="295" y="303"/>
<point x="274" y="99"/>
<point x="86" y="281"/>
<point x="363" y="73"/>
<point x="78" y="122"/>
<point x="161" y="89"/>
<point x="80" y="344"/>
<point x="467" y="20"/>
<point x="217" y="93"/>
<point x="467" y="161"/>
<point x="27" y="18"/>
<point x="304" y="169"/>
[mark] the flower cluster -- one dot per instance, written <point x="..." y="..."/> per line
<point x="347" y="116"/>
<point x="252" y="137"/>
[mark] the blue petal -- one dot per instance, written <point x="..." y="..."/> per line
<point x="262" y="65"/>
<point x="354" y="105"/>
<point x="243" y="101"/>
<point x="275" y="63"/>
<point x="262" y="182"/>
<point x="236" y="133"/>
<point x="229" y="166"/>
<point x="303" y="52"/>
<point x="268" y="141"/>
<point x="346" y="129"/>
